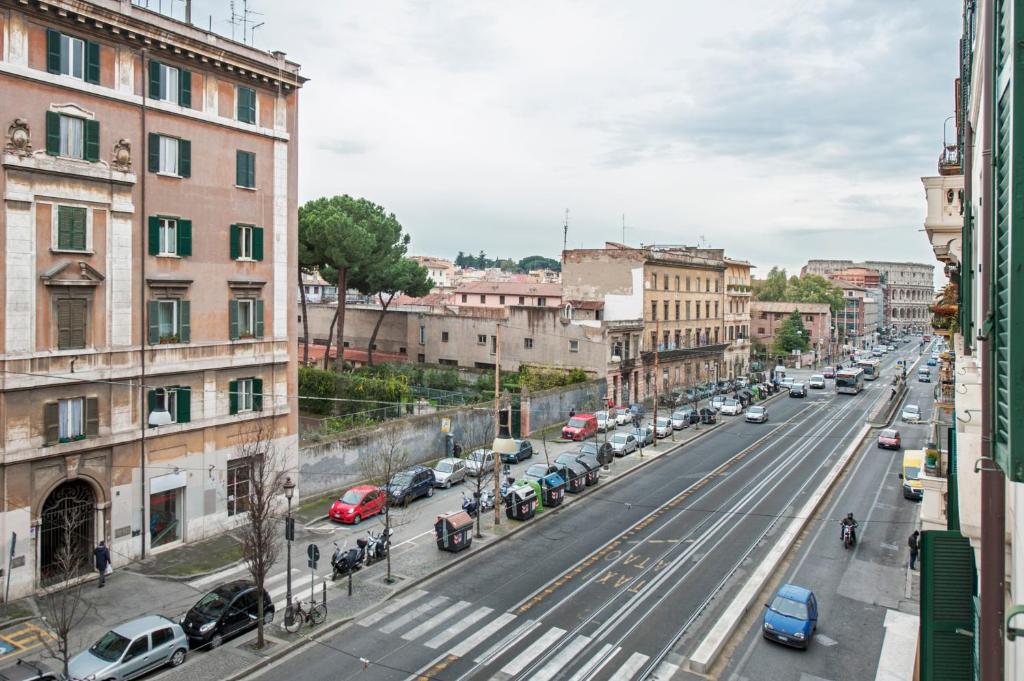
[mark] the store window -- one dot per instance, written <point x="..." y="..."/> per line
<point x="238" y="486"/>
<point x="164" y="516"/>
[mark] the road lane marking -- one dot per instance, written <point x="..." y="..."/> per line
<point x="665" y="671"/>
<point x="518" y="633"/>
<point x="399" y="622"/>
<point x="561" y="660"/>
<point x="482" y="634"/>
<point x="458" y="627"/>
<point x="533" y="650"/>
<point x="440" y="617"/>
<point x="626" y="671"/>
<point x="395" y="605"/>
<point x="596" y="663"/>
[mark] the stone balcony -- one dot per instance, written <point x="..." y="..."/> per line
<point x="944" y="221"/>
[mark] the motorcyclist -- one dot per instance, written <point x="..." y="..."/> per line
<point x="850" y="522"/>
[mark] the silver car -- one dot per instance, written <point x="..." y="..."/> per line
<point x="449" y="472"/>
<point x="130" y="650"/>
<point x="663" y="427"/>
<point x="680" y="420"/>
<point x="605" y="421"/>
<point x="911" y="414"/>
<point x="480" y="461"/>
<point x="623" y="443"/>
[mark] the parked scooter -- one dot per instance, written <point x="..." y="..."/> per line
<point x="345" y="561"/>
<point x="471" y="506"/>
<point x="378" y="545"/>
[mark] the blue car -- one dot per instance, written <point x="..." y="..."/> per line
<point x="932" y="362"/>
<point x="791" y="617"/>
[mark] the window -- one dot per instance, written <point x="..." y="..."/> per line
<point x="169" y="155"/>
<point x="168" y="321"/>
<point x="245" y="169"/>
<point x="71" y="315"/>
<point x="162" y="637"/>
<point x="654" y="280"/>
<point x="677" y="282"/>
<point x="654" y="309"/>
<point x="444" y="336"/>
<point x="501" y="300"/>
<point x="246" y="100"/>
<point x="70" y="56"/>
<point x="707" y="308"/>
<point x="246" y="318"/>
<point x="665" y="282"/>
<point x="72" y="137"/>
<point x="760" y="330"/>
<point x="665" y="309"/>
<point x="522" y="300"/>
<point x="246" y="242"/>
<point x="528" y="343"/>
<point x="139" y="646"/>
<point x="423" y="335"/>
<point x="71" y="419"/>
<point x="481" y="339"/>
<point x="245" y="394"/>
<point x="707" y="285"/>
<point x="71" y="228"/>
<point x="574" y="346"/>
<point x="808" y="318"/>
<point x="664" y="345"/>
<point x="483" y="299"/>
<point x="170" y="84"/>
<point x="170" y="236"/>
<point x="239" y="475"/>
<point x="421" y="358"/>
<point x="687" y="309"/>
<point x="716" y="309"/>
<point x="654" y="341"/>
<point x="687" y="283"/>
<point x="697" y="308"/>
<point x="677" y="310"/>
<point x="542" y="301"/>
<point x="174" y="399"/>
<point x="677" y="339"/>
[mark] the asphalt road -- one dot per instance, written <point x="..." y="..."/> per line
<point x="855" y="588"/>
<point x="606" y="589"/>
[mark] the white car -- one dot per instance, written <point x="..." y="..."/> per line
<point x="604" y="421"/>
<point x="623" y="417"/>
<point x="717" y="401"/>
<point x="911" y="414"/>
<point x="731" y="408"/>
<point x="663" y="427"/>
<point x="816" y="381"/>
<point x="479" y="461"/>
<point x="742" y="382"/>
<point x="756" y="414"/>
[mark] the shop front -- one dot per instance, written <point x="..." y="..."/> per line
<point x="166" y="509"/>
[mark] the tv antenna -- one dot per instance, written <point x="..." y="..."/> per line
<point x="243" y="19"/>
<point x="624" y="228"/>
<point x="565" y="231"/>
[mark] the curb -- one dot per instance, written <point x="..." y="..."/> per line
<point x="462" y="556"/>
<point x="755" y="585"/>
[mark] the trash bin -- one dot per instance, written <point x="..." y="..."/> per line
<point x="521" y="503"/>
<point x="454" y="531"/>
<point x="552" y="489"/>
<point x="575" y="475"/>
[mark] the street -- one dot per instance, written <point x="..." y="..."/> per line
<point x="609" y="588"/>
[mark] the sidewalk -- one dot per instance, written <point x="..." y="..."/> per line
<point x="170" y="582"/>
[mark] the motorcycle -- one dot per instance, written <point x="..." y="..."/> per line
<point x="378" y="545"/>
<point x="848" y="536"/>
<point x="344" y="561"/>
<point x="470" y="506"/>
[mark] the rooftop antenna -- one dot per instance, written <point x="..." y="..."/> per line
<point x="565" y="232"/>
<point x="242" y="19"/>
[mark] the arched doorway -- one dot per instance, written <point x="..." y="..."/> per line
<point x="66" y="531"/>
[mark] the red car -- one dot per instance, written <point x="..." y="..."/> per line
<point x="580" y="427"/>
<point x="889" y="439"/>
<point x="829" y="372"/>
<point x="357" y="504"/>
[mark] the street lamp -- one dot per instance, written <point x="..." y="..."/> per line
<point x="503" y="444"/>
<point x="289" y="535"/>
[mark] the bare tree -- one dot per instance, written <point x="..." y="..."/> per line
<point x="62" y="605"/>
<point x="479" y="434"/>
<point x="380" y="468"/>
<point x="259" y="533"/>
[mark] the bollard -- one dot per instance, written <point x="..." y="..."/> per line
<point x="350" y="584"/>
<point x="323" y="584"/>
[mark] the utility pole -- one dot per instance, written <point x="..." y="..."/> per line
<point x="565" y="231"/>
<point x="497" y="422"/>
<point x="657" y="380"/>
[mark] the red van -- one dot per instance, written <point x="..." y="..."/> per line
<point x="580" y="427"/>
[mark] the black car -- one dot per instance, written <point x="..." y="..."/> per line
<point x="524" y="450"/>
<point x="707" y="415"/>
<point x="798" y="390"/>
<point x="25" y="670"/>
<point x="410" y="485"/>
<point x="602" y="451"/>
<point x="227" y="610"/>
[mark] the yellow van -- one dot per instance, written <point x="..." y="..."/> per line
<point x="910" y="473"/>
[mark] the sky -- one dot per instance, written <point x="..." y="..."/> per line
<point x="779" y="130"/>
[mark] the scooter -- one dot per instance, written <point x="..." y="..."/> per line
<point x="378" y="545"/>
<point x="470" y="506"/>
<point x="343" y="562"/>
<point x="849" y="539"/>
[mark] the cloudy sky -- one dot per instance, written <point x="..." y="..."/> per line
<point x="777" y="129"/>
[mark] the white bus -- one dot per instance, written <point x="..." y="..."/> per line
<point x="849" y="381"/>
<point x="871" y="367"/>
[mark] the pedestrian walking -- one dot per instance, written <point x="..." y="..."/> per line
<point x="912" y="543"/>
<point x="102" y="554"/>
<point x="892" y="394"/>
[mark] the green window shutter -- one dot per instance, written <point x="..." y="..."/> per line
<point x="184" y="321"/>
<point x="64" y="325"/>
<point x="53" y="133"/>
<point x="251" y="165"/>
<point x="92" y="63"/>
<point x="257" y="394"/>
<point x="153" y="321"/>
<point x="967" y="278"/>
<point x="185" y="158"/>
<point x="92" y="141"/>
<point x="952" y="497"/>
<point x="154" y="79"/>
<point x="64" y="226"/>
<point x="246" y="104"/>
<point x="52" y="51"/>
<point x="154" y="152"/>
<point x="236" y="250"/>
<point x="185" y="88"/>
<point x="92" y="417"/>
<point x="233" y="397"/>
<point x="947" y="589"/>
<point x="240" y="168"/>
<point x="1006" y="361"/>
<point x="233" y="319"/>
<point x="259" y="319"/>
<point x="150" y="404"/>
<point x="154" y="235"/>
<point x="51" y="422"/>
<point x="257" y="243"/>
<point x="184" y="238"/>
<point x="78" y="309"/>
<point x="184" y="405"/>
<point x="79" y="222"/>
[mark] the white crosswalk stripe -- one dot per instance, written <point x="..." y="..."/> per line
<point x="482" y="634"/>
<point x="458" y="627"/>
<point x="633" y="664"/>
<point x="524" y="658"/>
<point x="507" y="642"/>
<point x="392" y="607"/>
<point x="437" y="619"/>
<point x="603" y="657"/>
<point x="665" y="671"/>
<point x="421" y="609"/>
<point x="559" y="661"/>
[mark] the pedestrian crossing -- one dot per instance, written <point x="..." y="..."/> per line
<point x="515" y="646"/>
